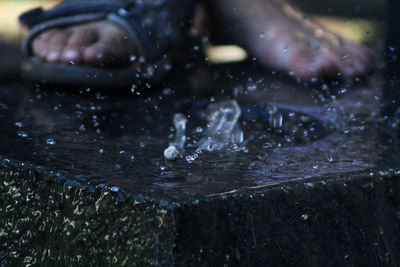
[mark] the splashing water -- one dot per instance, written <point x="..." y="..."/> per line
<point x="180" y="122"/>
<point x="176" y="148"/>
<point x="222" y="130"/>
<point x="275" y="117"/>
<point x="222" y="127"/>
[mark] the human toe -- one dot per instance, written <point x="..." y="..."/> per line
<point x="56" y="45"/>
<point x="98" y="54"/>
<point x="107" y="52"/>
<point x="79" y="39"/>
<point x="40" y="44"/>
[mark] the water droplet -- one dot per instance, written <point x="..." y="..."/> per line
<point x="191" y="158"/>
<point x="167" y="91"/>
<point x="235" y="148"/>
<point x="285" y="49"/>
<point x="122" y="12"/>
<point x="304" y="217"/>
<point x="171" y="153"/>
<point x="267" y="145"/>
<point x="18" y="124"/>
<point x="238" y="90"/>
<point x="252" y="87"/>
<point x="101" y="151"/>
<point x="22" y="134"/>
<point x="262" y="35"/>
<point x="50" y="141"/>
<point x="132" y="58"/>
<point x="133" y="88"/>
<point x="115" y="189"/>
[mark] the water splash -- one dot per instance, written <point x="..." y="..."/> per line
<point x="222" y="127"/>
<point x="50" y="141"/>
<point x="176" y="148"/>
<point x="222" y="131"/>
<point x="275" y="117"/>
<point x="180" y="122"/>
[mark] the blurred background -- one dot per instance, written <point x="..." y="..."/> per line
<point x="11" y="34"/>
<point x="10" y="10"/>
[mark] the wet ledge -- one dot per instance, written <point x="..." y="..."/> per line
<point x="83" y="181"/>
<point x="343" y="220"/>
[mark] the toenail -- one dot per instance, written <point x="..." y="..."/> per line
<point x="52" y="55"/>
<point x="71" y="55"/>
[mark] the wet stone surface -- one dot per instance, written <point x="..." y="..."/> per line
<point x="121" y="139"/>
<point x="302" y="158"/>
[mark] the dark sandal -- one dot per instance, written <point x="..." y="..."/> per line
<point x="157" y="29"/>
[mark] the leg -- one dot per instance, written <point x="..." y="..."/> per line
<point x="282" y="38"/>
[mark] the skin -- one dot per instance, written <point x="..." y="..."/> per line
<point x="279" y="36"/>
<point x="100" y="44"/>
<point x="283" y="38"/>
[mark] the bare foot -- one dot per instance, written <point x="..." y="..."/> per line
<point x="283" y="39"/>
<point x="100" y="44"/>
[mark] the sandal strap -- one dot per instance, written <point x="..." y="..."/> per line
<point x="154" y="27"/>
